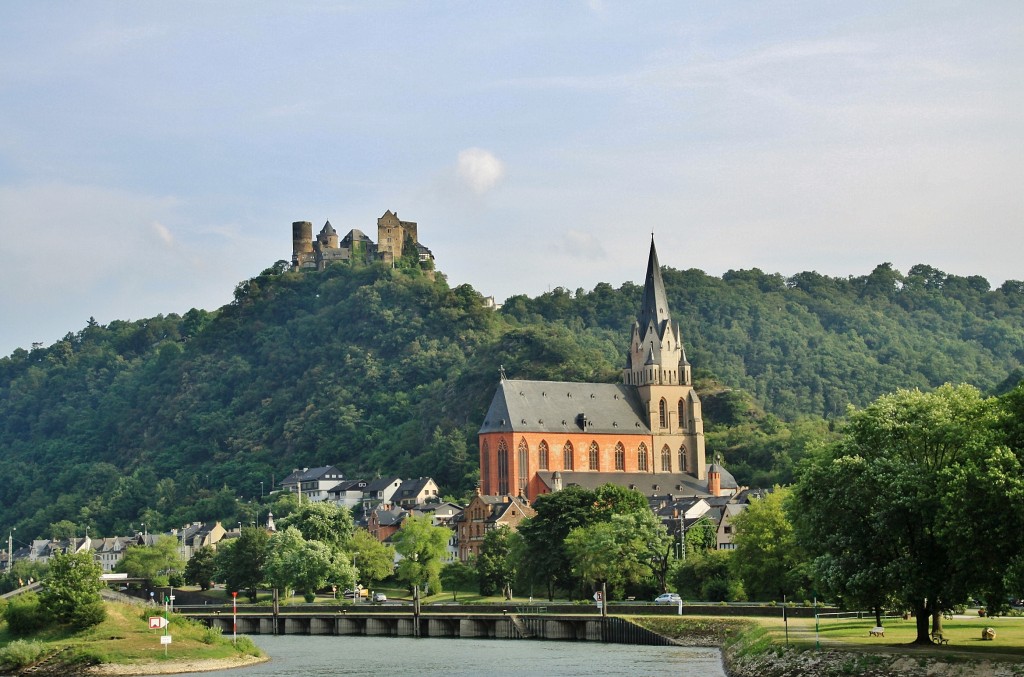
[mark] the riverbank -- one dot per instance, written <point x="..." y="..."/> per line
<point x="753" y="648"/>
<point x="124" y="644"/>
<point x="174" y="667"/>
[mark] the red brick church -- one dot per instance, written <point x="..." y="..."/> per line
<point x="645" y="433"/>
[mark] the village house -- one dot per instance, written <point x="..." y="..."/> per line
<point x="485" y="513"/>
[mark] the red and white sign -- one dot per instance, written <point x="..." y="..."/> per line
<point x="157" y="622"/>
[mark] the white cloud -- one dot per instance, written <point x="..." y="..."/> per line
<point x="163" y="233"/>
<point x="479" y="169"/>
<point x="582" y="245"/>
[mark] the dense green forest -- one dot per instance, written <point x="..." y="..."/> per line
<point x="389" y="371"/>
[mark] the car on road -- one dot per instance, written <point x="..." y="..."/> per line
<point x="667" y="598"/>
<point x="379" y="597"/>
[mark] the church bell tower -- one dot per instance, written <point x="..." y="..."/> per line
<point x="657" y="367"/>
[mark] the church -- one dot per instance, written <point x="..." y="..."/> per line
<point x="645" y="433"/>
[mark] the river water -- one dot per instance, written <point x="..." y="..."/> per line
<point x="318" y="656"/>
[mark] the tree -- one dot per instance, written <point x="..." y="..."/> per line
<point x="373" y="560"/>
<point x="422" y="547"/>
<point x="240" y="562"/>
<point x="321" y="521"/>
<point x="622" y="550"/>
<point x="707" y="575"/>
<point x="495" y="565"/>
<point x="458" y="575"/>
<point x="887" y="489"/>
<point x="318" y="565"/>
<point x="558" y="513"/>
<point x="766" y="557"/>
<point x="64" y="529"/>
<point x="71" y="590"/>
<point x="153" y="562"/>
<point x="201" y="568"/>
<point x="283" y="551"/>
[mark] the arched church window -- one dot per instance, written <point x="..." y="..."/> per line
<point x="682" y="412"/>
<point x="542" y="456"/>
<point x="620" y="456"/>
<point x="662" y="414"/>
<point x="524" y="466"/>
<point x="594" y="456"/>
<point x="641" y="458"/>
<point x="567" y="456"/>
<point x="666" y="459"/>
<point x="502" y="467"/>
<point x="683" y="466"/>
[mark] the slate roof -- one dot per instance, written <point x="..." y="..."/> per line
<point x="562" y="407"/>
<point x="654" y="304"/>
<point x="380" y="484"/>
<point x="310" y="474"/>
<point x="649" y="484"/>
<point x="411" y="488"/>
<point x="354" y="235"/>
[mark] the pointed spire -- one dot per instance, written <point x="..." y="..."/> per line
<point x="654" y="306"/>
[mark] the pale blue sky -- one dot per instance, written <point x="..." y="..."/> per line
<point x="153" y="155"/>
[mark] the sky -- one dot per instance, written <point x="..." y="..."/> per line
<point x="154" y="155"/>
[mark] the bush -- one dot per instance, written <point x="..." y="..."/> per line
<point x="247" y="647"/>
<point x="21" y="652"/>
<point x="211" y="635"/>
<point x="87" y="615"/>
<point x="24" y="615"/>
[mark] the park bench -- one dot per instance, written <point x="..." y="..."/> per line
<point x="877" y="631"/>
<point x="937" y="638"/>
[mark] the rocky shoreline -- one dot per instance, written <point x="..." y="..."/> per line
<point x="791" y="662"/>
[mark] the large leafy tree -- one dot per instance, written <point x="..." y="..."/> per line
<point x="888" y="489"/>
<point x="496" y="566"/>
<point x="154" y="562"/>
<point x="71" y="590"/>
<point x="374" y="561"/>
<point x="321" y="521"/>
<point x="545" y="557"/>
<point x="422" y="547"/>
<point x="201" y="568"/>
<point x="624" y="549"/>
<point x="240" y="563"/>
<point x="767" y="557"/>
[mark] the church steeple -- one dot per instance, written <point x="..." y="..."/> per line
<point x="657" y="367"/>
<point x="656" y="354"/>
<point x="654" y="305"/>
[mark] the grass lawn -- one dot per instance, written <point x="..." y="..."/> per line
<point x="963" y="633"/>
<point x="125" y="637"/>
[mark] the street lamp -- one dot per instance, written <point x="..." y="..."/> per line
<point x="261" y="491"/>
<point x="10" y="548"/>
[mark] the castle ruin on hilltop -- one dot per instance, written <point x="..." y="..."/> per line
<point x="394" y="237"/>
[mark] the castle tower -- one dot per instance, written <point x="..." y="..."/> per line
<point x="391" y="236"/>
<point x="328" y="237"/>
<point x="302" y="244"/>
<point x="657" y="366"/>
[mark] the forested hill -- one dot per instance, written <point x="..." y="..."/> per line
<point x="382" y="371"/>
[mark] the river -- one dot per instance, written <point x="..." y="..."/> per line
<point x="320" y="656"/>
